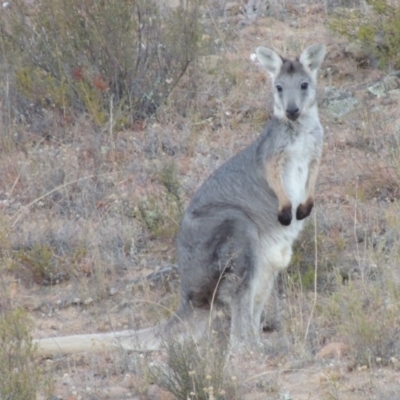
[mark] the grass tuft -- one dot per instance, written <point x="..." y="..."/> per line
<point x="20" y="375"/>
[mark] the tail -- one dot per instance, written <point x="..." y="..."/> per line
<point x="193" y="325"/>
<point x="129" y="340"/>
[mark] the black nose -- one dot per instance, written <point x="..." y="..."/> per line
<point x="292" y="113"/>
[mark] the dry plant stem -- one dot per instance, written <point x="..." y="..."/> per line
<point x="17" y="216"/>
<point x="315" y="276"/>
<point x="355" y="234"/>
<point x="25" y="165"/>
<point x="213" y="298"/>
<point x="251" y="378"/>
<point x="355" y="225"/>
<point x="216" y="28"/>
<point x="173" y="221"/>
<point x="111" y="129"/>
<point x="276" y="371"/>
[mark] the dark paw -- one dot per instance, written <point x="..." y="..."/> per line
<point x="304" y="210"/>
<point x="285" y="216"/>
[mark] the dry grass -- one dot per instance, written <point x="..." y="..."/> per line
<point x="86" y="211"/>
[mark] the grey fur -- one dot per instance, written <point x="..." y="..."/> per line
<point x="231" y="244"/>
<point x="237" y="232"/>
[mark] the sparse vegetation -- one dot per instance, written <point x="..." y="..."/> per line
<point x="39" y="263"/>
<point x="193" y="371"/>
<point x="20" y="375"/>
<point x="162" y="212"/>
<point x="95" y="56"/>
<point x="110" y="118"/>
<point x="376" y="28"/>
<point x="354" y="311"/>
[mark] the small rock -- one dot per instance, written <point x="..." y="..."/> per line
<point x="338" y="102"/>
<point x="113" y="291"/>
<point x="377" y="89"/>
<point x="389" y="85"/>
<point x="392" y="81"/>
<point x="88" y="301"/>
<point x="66" y="379"/>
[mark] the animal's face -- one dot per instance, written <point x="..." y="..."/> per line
<point x="294" y="82"/>
<point x="294" y="90"/>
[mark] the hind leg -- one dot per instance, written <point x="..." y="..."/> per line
<point x="248" y="306"/>
<point x="244" y="308"/>
<point x="244" y="329"/>
<point x="261" y="298"/>
<point x="218" y="257"/>
<point x="272" y="258"/>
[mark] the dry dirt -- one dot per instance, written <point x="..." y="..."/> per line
<point x="357" y="192"/>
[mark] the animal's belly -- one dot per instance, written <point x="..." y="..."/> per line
<point x="275" y="249"/>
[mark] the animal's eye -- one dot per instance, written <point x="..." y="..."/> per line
<point x="279" y="88"/>
<point x="304" y="85"/>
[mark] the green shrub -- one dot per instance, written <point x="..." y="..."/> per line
<point x="20" y="376"/>
<point x="367" y="318"/>
<point x="193" y="371"/>
<point x="162" y="212"/>
<point x="92" y="55"/>
<point x="38" y="262"/>
<point x="378" y="31"/>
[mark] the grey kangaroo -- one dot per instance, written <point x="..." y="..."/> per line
<point x="237" y="232"/>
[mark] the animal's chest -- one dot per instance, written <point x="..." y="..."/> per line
<point x="296" y="169"/>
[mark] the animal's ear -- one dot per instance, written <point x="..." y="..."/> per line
<point x="270" y="60"/>
<point x="312" y="57"/>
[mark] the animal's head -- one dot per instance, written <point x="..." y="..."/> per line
<point x="294" y="81"/>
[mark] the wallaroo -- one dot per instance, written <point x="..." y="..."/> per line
<point x="237" y="232"/>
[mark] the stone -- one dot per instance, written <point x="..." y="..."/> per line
<point x="338" y="102"/>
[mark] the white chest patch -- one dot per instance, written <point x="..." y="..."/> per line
<point x="296" y="171"/>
